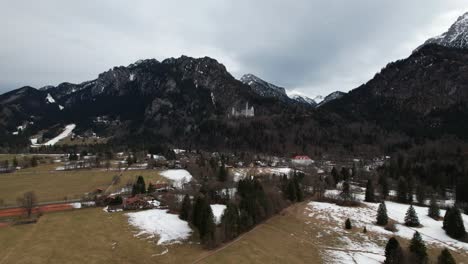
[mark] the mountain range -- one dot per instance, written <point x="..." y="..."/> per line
<point x="196" y="103"/>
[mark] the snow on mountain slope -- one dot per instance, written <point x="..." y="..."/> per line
<point x="303" y="99"/>
<point x="455" y="37"/>
<point x="264" y="88"/>
<point x="50" y="99"/>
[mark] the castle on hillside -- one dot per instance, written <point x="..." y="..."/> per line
<point x="247" y="112"/>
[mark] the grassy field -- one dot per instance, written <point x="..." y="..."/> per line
<point x="52" y="185"/>
<point x="93" y="236"/>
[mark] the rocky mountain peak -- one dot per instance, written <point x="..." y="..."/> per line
<point x="455" y="37"/>
<point x="264" y="88"/>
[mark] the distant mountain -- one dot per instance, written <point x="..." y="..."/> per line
<point x="264" y="88"/>
<point x="424" y="95"/>
<point x="330" y="97"/>
<point x="176" y="100"/>
<point x="303" y="100"/>
<point x="455" y="37"/>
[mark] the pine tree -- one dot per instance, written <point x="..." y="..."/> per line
<point x="292" y="196"/>
<point x="434" y="210"/>
<point x="345" y="174"/>
<point x="453" y="223"/>
<point x="445" y="257"/>
<point x="348" y="224"/>
<point x="222" y="173"/>
<point x="385" y="188"/>
<point x="139" y="186"/>
<point x="402" y="192"/>
<point x="421" y="191"/>
<point x="186" y="208"/>
<point x="335" y="175"/>
<point x="230" y="221"/>
<point x="382" y="217"/>
<point x="393" y="252"/>
<point x="418" y="248"/>
<point x="370" y="198"/>
<point x="299" y="192"/>
<point x="411" y="218"/>
<point x="346" y="192"/>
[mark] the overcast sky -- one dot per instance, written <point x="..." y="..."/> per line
<point x="312" y="47"/>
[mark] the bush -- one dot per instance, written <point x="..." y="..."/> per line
<point x="348" y="224"/>
<point x="445" y="257"/>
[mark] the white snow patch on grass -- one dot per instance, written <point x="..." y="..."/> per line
<point x="218" y="210"/>
<point x="179" y="177"/>
<point x="156" y="222"/>
<point x="365" y="216"/>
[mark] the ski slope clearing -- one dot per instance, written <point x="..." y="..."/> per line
<point x="156" y="222"/>
<point x="179" y="177"/>
<point x="218" y="211"/>
<point x="66" y="132"/>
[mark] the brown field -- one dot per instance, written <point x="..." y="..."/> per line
<point x="93" y="236"/>
<point x="52" y="185"/>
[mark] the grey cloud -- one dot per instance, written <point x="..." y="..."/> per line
<point x="315" y="47"/>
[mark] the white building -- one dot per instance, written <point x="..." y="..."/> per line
<point x="247" y="112"/>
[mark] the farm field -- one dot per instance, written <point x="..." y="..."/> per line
<point x="107" y="238"/>
<point x="294" y="236"/>
<point x="52" y="185"/>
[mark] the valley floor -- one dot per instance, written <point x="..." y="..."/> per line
<point x="299" y="234"/>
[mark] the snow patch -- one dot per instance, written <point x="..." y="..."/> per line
<point x="179" y="177"/>
<point x="156" y="222"/>
<point x="218" y="211"/>
<point x="50" y="99"/>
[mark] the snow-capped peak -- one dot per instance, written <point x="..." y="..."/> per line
<point x="50" y="99"/>
<point x="298" y="97"/>
<point x="455" y="37"/>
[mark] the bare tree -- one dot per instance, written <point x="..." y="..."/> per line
<point x="28" y="201"/>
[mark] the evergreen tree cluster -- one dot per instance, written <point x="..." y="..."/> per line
<point x="394" y="253"/>
<point x="292" y="188"/>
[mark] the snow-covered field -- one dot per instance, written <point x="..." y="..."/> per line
<point x="179" y="177"/>
<point x="157" y="222"/>
<point x="365" y="216"/>
<point x="65" y="133"/>
<point x="218" y="210"/>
